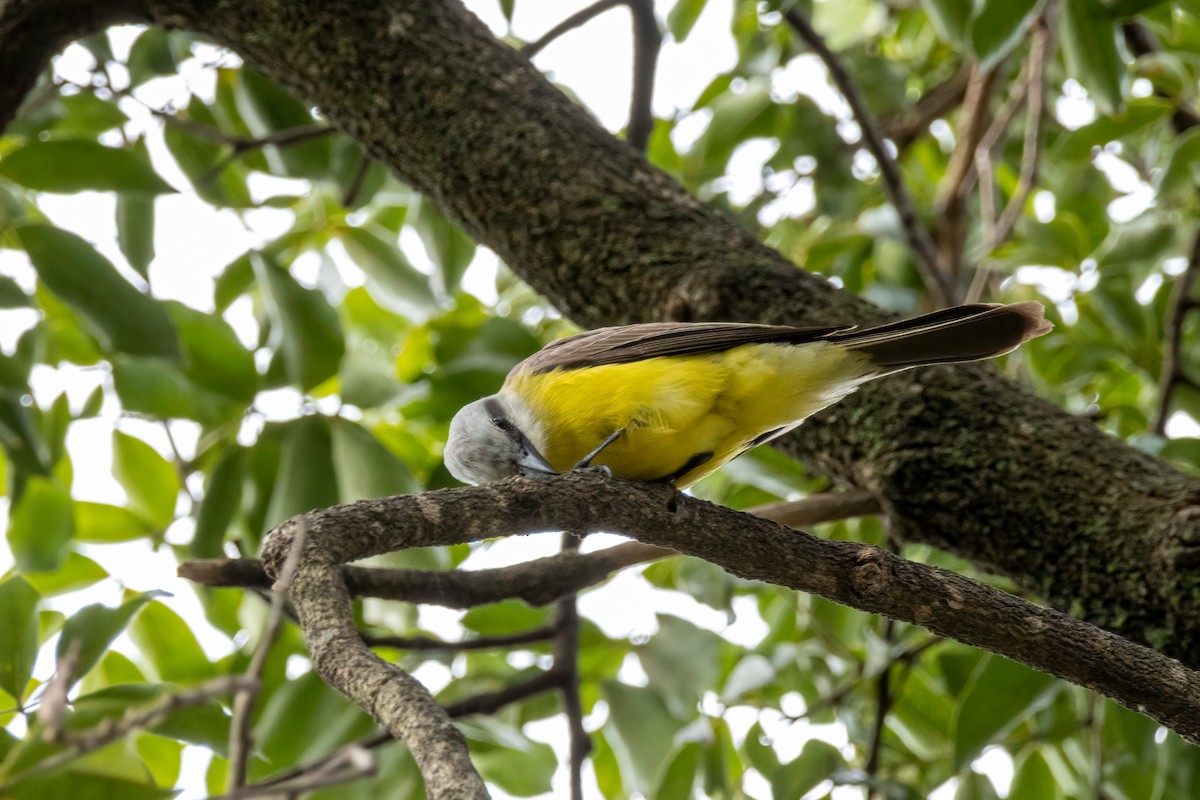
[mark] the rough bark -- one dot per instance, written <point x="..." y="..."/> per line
<point x="864" y="577"/>
<point x="960" y="458"/>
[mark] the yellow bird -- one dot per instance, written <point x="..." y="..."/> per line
<point x="674" y="401"/>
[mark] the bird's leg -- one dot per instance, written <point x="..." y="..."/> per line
<point x="689" y="465"/>
<point x="586" y="461"/>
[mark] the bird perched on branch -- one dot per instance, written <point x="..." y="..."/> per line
<point x="674" y="401"/>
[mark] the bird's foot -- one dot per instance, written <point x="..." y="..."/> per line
<point x="586" y="461"/>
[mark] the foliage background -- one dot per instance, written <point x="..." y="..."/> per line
<point x="323" y="363"/>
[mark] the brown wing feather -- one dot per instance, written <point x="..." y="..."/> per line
<point x="628" y="343"/>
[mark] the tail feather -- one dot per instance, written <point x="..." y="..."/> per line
<point x="949" y="336"/>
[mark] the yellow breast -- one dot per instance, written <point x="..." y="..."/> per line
<point x="675" y="409"/>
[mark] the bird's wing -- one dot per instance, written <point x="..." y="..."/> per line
<point x="629" y="343"/>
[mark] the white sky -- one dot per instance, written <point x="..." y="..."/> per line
<point x="194" y="241"/>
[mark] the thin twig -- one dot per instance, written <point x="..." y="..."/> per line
<point x="997" y="230"/>
<point x="883" y="704"/>
<point x="1172" y="374"/>
<point x="348" y="764"/>
<point x="356" y="181"/>
<point x="647" y="43"/>
<point x="323" y="764"/>
<point x="906" y="126"/>
<point x="566" y="665"/>
<point x="906" y="656"/>
<point x="989" y="144"/>
<point x="1040" y="53"/>
<point x="579" y="18"/>
<point x="240" y="744"/>
<point x="818" y="508"/>
<point x="491" y="702"/>
<point x="282" y="138"/>
<point x="427" y="643"/>
<point x="960" y="174"/>
<point x="940" y="287"/>
<point x="53" y="706"/>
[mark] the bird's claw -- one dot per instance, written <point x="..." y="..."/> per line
<point x="597" y="469"/>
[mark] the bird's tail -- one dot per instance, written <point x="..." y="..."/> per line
<point x="961" y="333"/>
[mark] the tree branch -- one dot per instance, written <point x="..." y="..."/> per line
<point x="240" y="742"/>
<point x="647" y="42"/>
<point x="906" y="126"/>
<point x="1171" y="374"/>
<point x="940" y="286"/>
<point x="576" y="20"/>
<point x="864" y="577"/>
<point x="537" y="582"/>
<point x="426" y="643"/>
<point x="960" y="173"/>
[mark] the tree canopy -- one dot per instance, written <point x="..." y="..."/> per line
<point x="416" y="208"/>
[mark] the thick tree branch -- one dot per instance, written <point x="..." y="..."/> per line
<point x="864" y="577"/>
<point x="940" y="285"/>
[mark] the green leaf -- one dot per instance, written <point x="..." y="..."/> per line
<point x="641" y="732"/>
<point x="88" y="116"/>
<point x="309" y="336"/>
<point x="450" y="249"/>
<point x="397" y="284"/>
<point x="150" y="56"/>
<point x="94" y="627"/>
<point x="522" y="768"/>
<point x="128" y="320"/>
<point x="1001" y="695"/>
<point x="18" y="634"/>
<point x="682" y="18"/>
<point x="816" y="762"/>
<point x="1089" y="42"/>
<point x="501" y="619"/>
<point x="214" y="357"/>
<point x="42" y="526"/>
<point x="135" y="230"/>
<point x="77" y="165"/>
<point x="950" y="18"/>
<point x="1181" y="175"/>
<point x="682" y="662"/>
<point x="81" y="784"/>
<point x="365" y="468"/>
<point x="679" y="779"/>
<point x="1032" y="779"/>
<point x="77" y="572"/>
<point x="12" y="295"/>
<point x="149" y="479"/>
<point x="998" y="26"/>
<point x="100" y="522"/>
<point x="168" y="643"/>
<point x="307" y="478"/>
<point x="157" y="388"/>
<point x="506" y="8"/>
<point x="222" y="494"/>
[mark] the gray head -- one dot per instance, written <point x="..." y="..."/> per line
<point x="487" y="444"/>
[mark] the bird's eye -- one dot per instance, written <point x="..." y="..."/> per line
<point x="502" y="423"/>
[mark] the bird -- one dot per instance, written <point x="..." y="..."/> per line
<point x="674" y="401"/>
